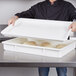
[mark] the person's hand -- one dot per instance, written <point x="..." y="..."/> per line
<point x="73" y="27"/>
<point x="12" y="20"/>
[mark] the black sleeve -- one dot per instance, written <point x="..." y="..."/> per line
<point x="72" y="12"/>
<point x="27" y="14"/>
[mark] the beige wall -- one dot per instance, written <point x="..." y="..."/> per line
<point x="9" y="7"/>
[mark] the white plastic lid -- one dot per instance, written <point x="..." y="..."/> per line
<point x="46" y="29"/>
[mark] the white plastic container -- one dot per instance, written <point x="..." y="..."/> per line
<point x="41" y="29"/>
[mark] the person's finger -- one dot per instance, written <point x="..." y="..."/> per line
<point x="13" y="23"/>
<point x="70" y="27"/>
<point x="74" y="29"/>
<point x="9" y="22"/>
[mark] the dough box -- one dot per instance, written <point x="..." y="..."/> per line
<point x="34" y="29"/>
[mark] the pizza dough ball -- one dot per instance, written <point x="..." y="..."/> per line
<point x="59" y="46"/>
<point x="39" y="42"/>
<point x="31" y="43"/>
<point x="45" y="44"/>
<point x="22" y="40"/>
<point x="19" y="40"/>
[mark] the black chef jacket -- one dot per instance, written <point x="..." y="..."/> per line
<point x="60" y="10"/>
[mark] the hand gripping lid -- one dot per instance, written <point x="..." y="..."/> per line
<point x="46" y="29"/>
